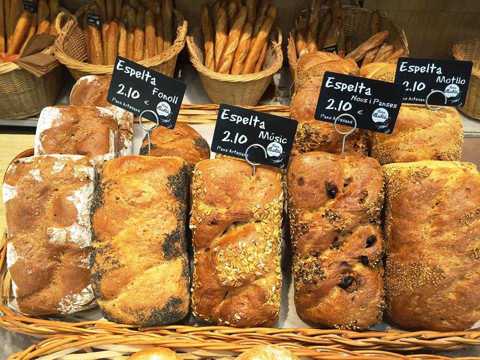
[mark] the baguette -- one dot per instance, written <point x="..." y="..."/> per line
<point x="260" y="40"/>
<point x="21" y="32"/>
<point x="122" y="39"/>
<point x="94" y="45"/>
<point x="234" y="35"/>
<point x="31" y="32"/>
<point x="131" y="24"/>
<point x="150" y="37"/>
<point x="301" y="41"/>
<point x="370" y="56"/>
<point x="207" y="30"/>
<point x="262" y="13"/>
<point x="231" y="12"/>
<point x="15" y="11"/>
<point x="261" y="59"/>
<point x="3" y="43"/>
<point x="251" y="10"/>
<point x="118" y="9"/>
<point x="396" y="55"/>
<point x="138" y="45"/>
<point x="242" y="49"/>
<point x="313" y="27"/>
<point x="372" y="42"/>
<point x="383" y="53"/>
<point x="112" y="41"/>
<point x="167" y="15"/>
<point x="43" y="17"/>
<point x="221" y="34"/>
<point x="375" y="23"/>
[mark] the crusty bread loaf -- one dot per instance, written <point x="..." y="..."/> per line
<point x="20" y="34"/>
<point x="77" y="130"/>
<point x="48" y="202"/>
<point x="379" y="71"/>
<point x="182" y="141"/>
<point x="421" y="134"/>
<point x="155" y="354"/>
<point x="432" y="226"/>
<point x="236" y="224"/>
<point x="267" y="352"/>
<point x="313" y="134"/>
<point x="140" y="268"/>
<point x="335" y="202"/>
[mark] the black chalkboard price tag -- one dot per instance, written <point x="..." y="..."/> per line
<point x="268" y="138"/>
<point x="146" y="92"/>
<point x="372" y="103"/>
<point x="443" y="82"/>
<point x="94" y="20"/>
<point x="30" y="6"/>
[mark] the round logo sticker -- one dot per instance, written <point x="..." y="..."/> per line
<point x="275" y="150"/>
<point x="164" y="109"/>
<point x="380" y="116"/>
<point x="452" y="91"/>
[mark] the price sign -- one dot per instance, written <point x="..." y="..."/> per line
<point x="269" y="138"/>
<point x="444" y="82"/>
<point x="140" y="90"/>
<point x="30" y="6"/>
<point x="374" y="104"/>
<point x="94" y="19"/>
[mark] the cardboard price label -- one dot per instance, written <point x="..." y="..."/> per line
<point x="269" y="138"/>
<point x="443" y="82"/>
<point x="146" y="92"/>
<point x="359" y="102"/>
<point x="30" y="6"/>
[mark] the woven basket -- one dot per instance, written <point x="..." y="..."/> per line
<point x="187" y="347"/>
<point x="357" y="26"/>
<point x="235" y="89"/>
<point x="71" y="50"/>
<point x="470" y="50"/>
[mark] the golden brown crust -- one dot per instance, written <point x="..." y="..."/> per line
<point x="267" y="352"/>
<point x="379" y="71"/>
<point x="140" y="247"/>
<point x="334" y="207"/>
<point x="421" y="134"/>
<point x="155" y="354"/>
<point x="48" y="201"/>
<point x="182" y="141"/>
<point x="432" y="226"/>
<point x="236" y="236"/>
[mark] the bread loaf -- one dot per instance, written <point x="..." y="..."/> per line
<point x="122" y="40"/>
<point x="182" y="141"/>
<point x="432" y="227"/>
<point x="226" y="60"/>
<point x="155" y="354"/>
<point x="335" y="203"/>
<point x="94" y="45"/>
<point x="221" y="33"/>
<point x="112" y="41"/>
<point x="236" y="229"/>
<point x="267" y="352"/>
<point x="140" y="248"/>
<point x="207" y="30"/>
<point x="379" y="71"/>
<point x="373" y="42"/>
<point x="421" y="134"/>
<point x="20" y="34"/>
<point x="242" y="49"/>
<point x="48" y="202"/>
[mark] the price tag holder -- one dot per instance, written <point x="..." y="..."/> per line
<point x="30" y="6"/>
<point x="268" y="138"/>
<point x="146" y="92"/>
<point x="359" y="102"/>
<point x="94" y="20"/>
<point x="433" y="82"/>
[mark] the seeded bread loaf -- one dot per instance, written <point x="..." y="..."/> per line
<point x="92" y="90"/>
<point x="77" y="130"/>
<point x="140" y="267"/>
<point x="182" y="141"/>
<point x="236" y="223"/>
<point x="48" y="202"/>
<point x="312" y="134"/>
<point x="335" y="203"/>
<point x="432" y="227"/>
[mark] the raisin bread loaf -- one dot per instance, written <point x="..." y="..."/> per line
<point x="335" y="203"/>
<point x="236" y="223"/>
<point x="140" y="268"/>
<point x="77" y="130"/>
<point x="432" y="226"/>
<point x="92" y="90"/>
<point x="48" y="202"/>
<point x="182" y="141"/>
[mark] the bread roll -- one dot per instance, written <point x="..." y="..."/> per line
<point x="21" y="32"/>
<point x="112" y="41"/>
<point x="242" y="50"/>
<point x="267" y="352"/>
<point x="155" y="354"/>
<point x="207" y="30"/>
<point x="150" y="37"/>
<point x="167" y="20"/>
<point x="221" y="34"/>
<point x="432" y="226"/>
<point x="139" y="36"/>
<point x="226" y="59"/>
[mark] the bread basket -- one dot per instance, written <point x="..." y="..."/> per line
<point x="356" y="25"/>
<point x="71" y="50"/>
<point x="187" y="347"/>
<point x="235" y="89"/>
<point x="470" y="51"/>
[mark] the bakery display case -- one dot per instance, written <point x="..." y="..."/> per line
<point x="122" y="235"/>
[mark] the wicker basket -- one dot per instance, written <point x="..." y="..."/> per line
<point x="71" y="50"/>
<point x="470" y="50"/>
<point x="235" y="89"/>
<point x="187" y="347"/>
<point x="356" y="26"/>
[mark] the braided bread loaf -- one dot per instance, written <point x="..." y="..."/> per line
<point x="236" y="223"/>
<point x="140" y="271"/>
<point x="334" y="207"/>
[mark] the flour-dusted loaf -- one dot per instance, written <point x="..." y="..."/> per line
<point x="48" y="201"/>
<point x="92" y="90"/>
<point x="421" y="134"/>
<point x="432" y="227"/>
<point x="77" y="130"/>
<point x="236" y="223"/>
<point x="140" y="270"/>
<point x="312" y="134"/>
<point x="335" y="203"/>
<point x="182" y="141"/>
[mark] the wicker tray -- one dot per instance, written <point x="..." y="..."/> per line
<point x="357" y="26"/>
<point x="187" y="347"/>
<point x="71" y="50"/>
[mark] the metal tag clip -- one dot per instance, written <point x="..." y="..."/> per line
<point x="345" y="133"/>
<point x="434" y="107"/>
<point x="254" y="165"/>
